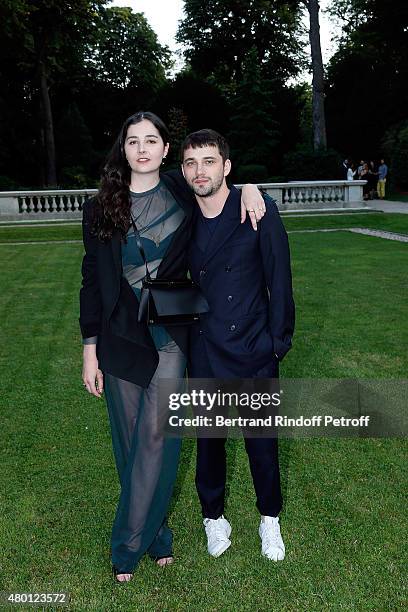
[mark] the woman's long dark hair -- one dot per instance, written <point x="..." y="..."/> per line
<point x="112" y="210"/>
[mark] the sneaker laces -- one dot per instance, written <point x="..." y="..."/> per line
<point x="215" y="529"/>
<point x="271" y="535"/>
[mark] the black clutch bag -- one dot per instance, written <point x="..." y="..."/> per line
<point x="168" y="302"/>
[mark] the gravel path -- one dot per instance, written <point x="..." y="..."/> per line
<point x="358" y="230"/>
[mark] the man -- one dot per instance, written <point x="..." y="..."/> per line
<point x="346" y="164"/>
<point x="382" y="178"/>
<point x="246" y="278"/>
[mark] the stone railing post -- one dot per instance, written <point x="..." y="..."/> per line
<point x="8" y="204"/>
<point x="354" y="191"/>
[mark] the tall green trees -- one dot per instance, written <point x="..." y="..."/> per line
<point x="254" y="132"/>
<point x="53" y="54"/>
<point x="50" y="39"/>
<point x="124" y="51"/>
<point x="248" y="49"/>
<point x="218" y="34"/>
<point x="368" y="75"/>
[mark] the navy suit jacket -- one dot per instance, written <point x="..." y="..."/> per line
<point x="246" y="278"/>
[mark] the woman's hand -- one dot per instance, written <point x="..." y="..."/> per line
<point x="253" y="203"/>
<point x="91" y="374"/>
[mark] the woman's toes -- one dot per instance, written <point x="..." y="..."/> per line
<point x="165" y="561"/>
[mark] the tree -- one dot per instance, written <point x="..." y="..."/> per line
<point x="50" y="46"/>
<point x="74" y="140"/>
<point x="202" y="103"/>
<point x="107" y="62"/>
<point x="177" y="125"/>
<point x="395" y="150"/>
<point x="217" y="35"/>
<point x="367" y="77"/>
<point x="124" y="51"/>
<point x="318" y="114"/>
<point x="254" y="132"/>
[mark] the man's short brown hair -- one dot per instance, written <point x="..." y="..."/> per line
<point x="204" y="138"/>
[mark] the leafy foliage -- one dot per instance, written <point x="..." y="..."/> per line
<point x="308" y="165"/>
<point x="367" y="77"/>
<point x="53" y="55"/>
<point x="254" y="131"/>
<point x="218" y="34"/>
<point x="395" y="146"/>
<point x="124" y="51"/>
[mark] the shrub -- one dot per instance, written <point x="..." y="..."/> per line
<point x="7" y="183"/>
<point x="252" y="173"/>
<point x="309" y="165"/>
<point x="75" y="177"/>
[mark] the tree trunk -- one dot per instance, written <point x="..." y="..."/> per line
<point x="50" y="160"/>
<point x="319" y="121"/>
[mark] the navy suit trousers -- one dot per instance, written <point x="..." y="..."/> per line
<point x="263" y="458"/>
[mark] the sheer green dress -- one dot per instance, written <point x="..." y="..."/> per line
<point x="146" y="462"/>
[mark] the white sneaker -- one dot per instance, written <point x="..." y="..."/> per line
<point x="218" y="532"/>
<point x="272" y="544"/>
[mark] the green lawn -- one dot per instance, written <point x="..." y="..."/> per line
<point x="344" y="521"/>
<point x="390" y="222"/>
<point x="29" y="233"/>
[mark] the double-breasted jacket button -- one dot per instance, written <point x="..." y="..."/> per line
<point x="230" y="298"/>
<point x="233" y="327"/>
<point x="203" y="272"/>
<point x="228" y="268"/>
<point x="201" y="332"/>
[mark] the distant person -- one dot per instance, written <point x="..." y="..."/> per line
<point x="351" y="172"/>
<point x="360" y="168"/>
<point x="346" y="164"/>
<point x="382" y="179"/>
<point x="365" y="177"/>
<point x="372" y="180"/>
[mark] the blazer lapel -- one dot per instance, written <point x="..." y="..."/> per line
<point x="229" y="221"/>
<point x="116" y="249"/>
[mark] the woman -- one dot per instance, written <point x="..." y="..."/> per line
<point x="372" y="180"/>
<point x="351" y="172"/>
<point x="126" y="358"/>
<point x="365" y="176"/>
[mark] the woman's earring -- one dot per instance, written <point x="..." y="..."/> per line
<point x="163" y="160"/>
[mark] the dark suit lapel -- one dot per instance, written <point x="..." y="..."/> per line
<point x="229" y="221"/>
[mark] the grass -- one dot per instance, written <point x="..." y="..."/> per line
<point x="37" y="233"/>
<point x="344" y="520"/>
<point x="389" y="222"/>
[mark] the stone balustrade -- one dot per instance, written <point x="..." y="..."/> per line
<point x="315" y="195"/>
<point x="296" y="195"/>
<point x="44" y="204"/>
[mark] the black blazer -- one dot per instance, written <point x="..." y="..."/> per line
<point x="108" y="304"/>
<point x="246" y="278"/>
